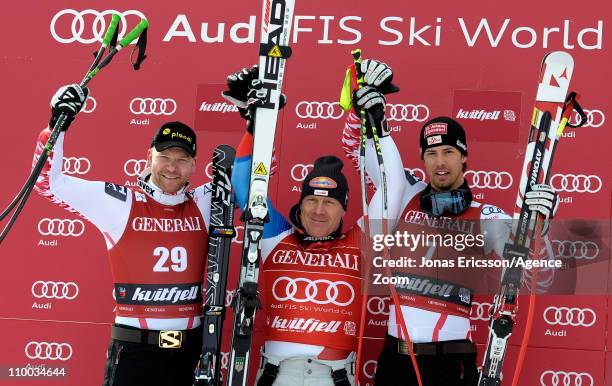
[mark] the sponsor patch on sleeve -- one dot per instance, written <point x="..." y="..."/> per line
<point x="117" y="191"/>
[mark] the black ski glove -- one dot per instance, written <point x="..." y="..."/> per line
<point x="373" y="102"/>
<point x="67" y="100"/>
<point x="244" y="91"/>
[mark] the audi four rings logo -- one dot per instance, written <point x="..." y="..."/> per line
<point x="76" y="165"/>
<point x="378" y="305"/>
<point x="321" y="110"/>
<point x="566" y="378"/>
<point x="570" y="316"/>
<point x="407" y="113"/>
<point x="134" y="167"/>
<point x="48" y="350"/>
<point x="68" y="25"/>
<point x="595" y="118"/>
<point x="90" y="105"/>
<point x="55" y="290"/>
<point x="369" y="369"/>
<point x="61" y="227"/>
<point x="489" y="179"/>
<point x="576" y="183"/>
<point x="332" y="110"/>
<point x="335" y="291"/>
<point x="481" y="311"/>
<point x="300" y="171"/>
<point x="569" y="249"/>
<point x="153" y="106"/>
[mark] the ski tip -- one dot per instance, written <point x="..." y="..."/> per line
<point x="559" y="57"/>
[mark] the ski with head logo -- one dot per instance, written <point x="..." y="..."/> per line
<point x="553" y="108"/>
<point x="274" y="50"/>
<point x="220" y="232"/>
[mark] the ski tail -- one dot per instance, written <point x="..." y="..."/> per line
<point x="220" y="232"/>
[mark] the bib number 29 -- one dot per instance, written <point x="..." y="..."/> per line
<point x="178" y="259"/>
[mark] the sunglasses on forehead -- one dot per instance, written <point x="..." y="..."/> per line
<point x="454" y="201"/>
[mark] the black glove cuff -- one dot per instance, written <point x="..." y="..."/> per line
<point x="55" y="116"/>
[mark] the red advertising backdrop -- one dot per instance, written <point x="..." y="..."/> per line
<point x="475" y="61"/>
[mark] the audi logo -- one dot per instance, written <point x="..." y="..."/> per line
<point x="153" y="106"/>
<point x="134" y="167"/>
<point x="321" y="110"/>
<point x="407" y="113"/>
<point x="55" y="290"/>
<point x="369" y="369"/>
<point x="576" y="183"/>
<point x="61" y="227"/>
<point x="570" y="316"/>
<point x="489" y="179"/>
<point x="48" y="350"/>
<point x="377" y="305"/>
<point x="481" y="311"/>
<point x="300" y="171"/>
<point x="417" y="172"/>
<point x="332" y="110"/>
<point x="239" y="236"/>
<point x="74" y="165"/>
<point x="98" y="24"/>
<point x="595" y="118"/>
<point x="569" y="249"/>
<point x="89" y="107"/>
<point x="291" y="290"/>
<point x="566" y="378"/>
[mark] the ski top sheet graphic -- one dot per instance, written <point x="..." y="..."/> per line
<point x="277" y="16"/>
<point x="221" y="231"/>
<point x="550" y="115"/>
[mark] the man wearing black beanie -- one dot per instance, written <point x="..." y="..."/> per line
<point x="155" y="341"/>
<point x="435" y="303"/>
<point x="311" y="270"/>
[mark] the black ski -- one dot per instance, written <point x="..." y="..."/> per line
<point x="220" y="231"/>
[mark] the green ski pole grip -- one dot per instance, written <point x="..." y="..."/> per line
<point x="134" y="33"/>
<point x="111" y="29"/>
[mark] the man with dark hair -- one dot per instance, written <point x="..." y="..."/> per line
<point x="435" y="303"/>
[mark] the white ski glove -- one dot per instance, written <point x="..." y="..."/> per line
<point x="544" y="199"/>
<point x="376" y="73"/>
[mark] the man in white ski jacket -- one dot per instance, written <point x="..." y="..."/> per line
<point x="156" y="237"/>
<point x="435" y="303"/>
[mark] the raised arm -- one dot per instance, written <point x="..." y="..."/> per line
<point x="104" y="204"/>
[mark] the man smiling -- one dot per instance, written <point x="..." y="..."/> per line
<point x="156" y="239"/>
<point x="311" y="269"/>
